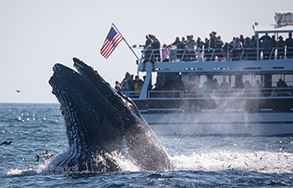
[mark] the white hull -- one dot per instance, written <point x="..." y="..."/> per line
<point x="254" y="124"/>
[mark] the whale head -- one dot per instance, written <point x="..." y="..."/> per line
<point x="99" y="120"/>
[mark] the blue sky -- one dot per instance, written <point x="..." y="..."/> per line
<point x="35" y="34"/>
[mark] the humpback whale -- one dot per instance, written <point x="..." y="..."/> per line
<point x="100" y="121"/>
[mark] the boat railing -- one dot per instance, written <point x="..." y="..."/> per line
<point x="132" y="94"/>
<point x="222" y="93"/>
<point x="165" y="94"/>
<point x="217" y="54"/>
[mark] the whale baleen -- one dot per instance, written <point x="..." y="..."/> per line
<point x="100" y="121"/>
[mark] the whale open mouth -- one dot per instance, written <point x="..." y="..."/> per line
<point x="100" y="121"/>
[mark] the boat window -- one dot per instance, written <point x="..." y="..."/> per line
<point x="203" y="79"/>
<point x="168" y="81"/>
<point x="239" y="81"/>
<point x="287" y="78"/>
<point x="275" y="79"/>
<point x="257" y="81"/>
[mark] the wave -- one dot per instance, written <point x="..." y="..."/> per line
<point x="261" y="161"/>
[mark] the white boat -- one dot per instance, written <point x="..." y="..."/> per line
<point x="261" y="108"/>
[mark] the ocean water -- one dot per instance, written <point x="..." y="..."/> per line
<point x="207" y="161"/>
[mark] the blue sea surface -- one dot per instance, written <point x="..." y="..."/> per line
<point x="199" y="161"/>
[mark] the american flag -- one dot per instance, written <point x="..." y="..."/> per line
<point x="111" y="42"/>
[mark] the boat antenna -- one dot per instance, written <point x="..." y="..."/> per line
<point x="125" y="41"/>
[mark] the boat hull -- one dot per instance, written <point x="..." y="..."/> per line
<point x="248" y="124"/>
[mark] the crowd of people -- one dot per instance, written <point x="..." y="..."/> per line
<point x="132" y="87"/>
<point x="209" y="50"/>
<point x="187" y="49"/>
<point x="129" y="84"/>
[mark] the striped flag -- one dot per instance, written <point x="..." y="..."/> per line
<point x="111" y="42"/>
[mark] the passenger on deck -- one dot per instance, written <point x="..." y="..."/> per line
<point x="212" y="45"/>
<point x="165" y="53"/>
<point x="126" y="77"/>
<point x="138" y="87"/>
<point x="224" y="85"/>
<point x="148" y="42"/>
<point x="125" y="88"/>
<point x="156" y="47"/>
<point x="200" y="45"/>
<point x="214" y="84"/>
<point x="136" y="78"/>
<point x="237" y="43"/>
<point x="289" y="44"/>
<point x="280" y="48"/>
<point x="248" y="48"/>
<point x="190" y="52"/>
<point x="131" y="83"/>
<point x="212" y="40"/>
<point x="151" y="51"/>
<point x="218" y="46"/>
<point x="227" y="50"/>
<point x="180" y="48"/>
<point x="176" y="42"/>
<point x="253" y="50"/>
<point x="247" y="85"/>
<point x="241" y="39"/>
<point x="148" y="52"/>
<point x="129" y="80"/>
<point x="281" y="83"/>
<point x="224" y="88"/>
<point x="237" y="48"/>
<point x="117" y="86"/>
<point x="257" y="84"/>
<point x="266" y="45"/>
<point x="206" y="49"/>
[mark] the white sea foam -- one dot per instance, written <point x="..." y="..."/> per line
<point x="261" y="161"/>
<point x="28" y="171"/>
<point x="124" y="163"/>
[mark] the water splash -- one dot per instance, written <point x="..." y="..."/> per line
<point x="28" y="171"/>
<point x="125" y="164"/>
<point x="261" y="161"/>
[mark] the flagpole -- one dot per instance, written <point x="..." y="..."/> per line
<point x="125" y="41"/>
